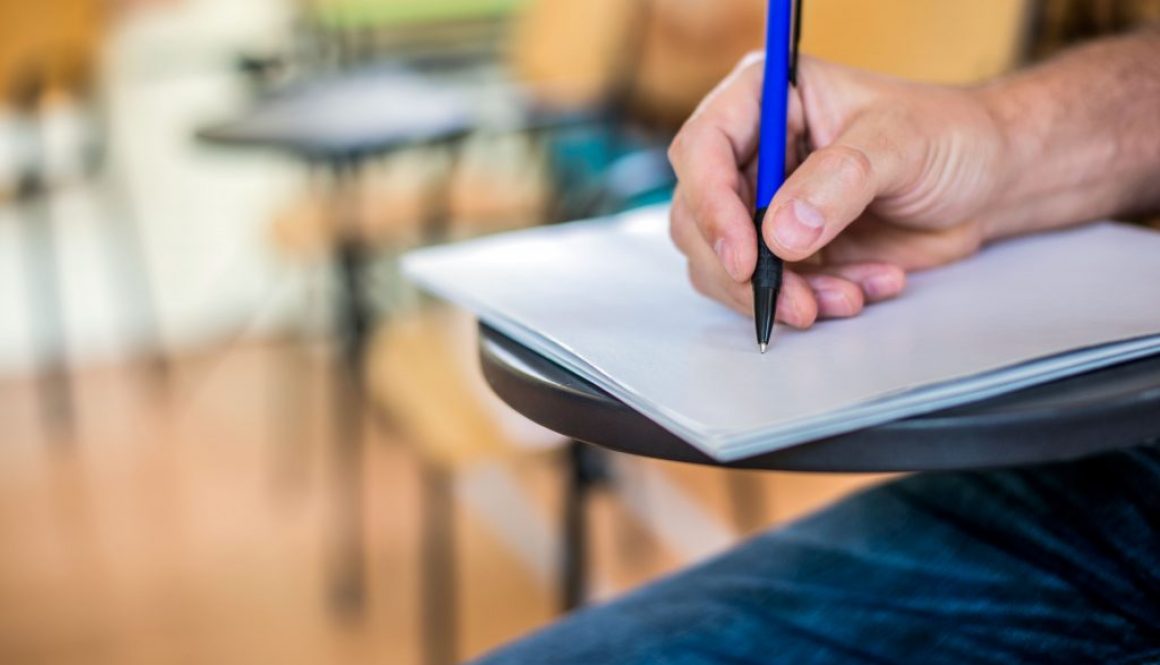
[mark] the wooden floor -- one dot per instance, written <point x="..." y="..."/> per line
<point x="196" y="524"/>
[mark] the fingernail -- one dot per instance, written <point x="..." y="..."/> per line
<point x="725" y="255"/>
<point x="797" y="226"/>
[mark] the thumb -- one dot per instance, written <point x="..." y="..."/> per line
<point x="832" y="188"/>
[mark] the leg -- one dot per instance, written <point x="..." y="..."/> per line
<point x="128" y="257"/>
<point x="747" y="500"/>
<point x="440" y="623"/>
<point x="348" y="591"/>
<point x="46" y="307"/>
<point x="126" y="240"/>
<point x="354" y="322"/>
<point x="586" y="469"/>
<point x="1047" y="564"/>
<point x="574" y="546"/>
<point x="290" y="389"/>
<point x="288" y="398"/>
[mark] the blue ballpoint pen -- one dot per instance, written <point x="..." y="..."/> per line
<point x="781" y="38"/>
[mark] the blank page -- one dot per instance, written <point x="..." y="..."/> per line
<point x="609" y="299"/>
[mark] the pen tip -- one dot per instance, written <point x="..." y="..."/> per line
<point x="762" y="347"/>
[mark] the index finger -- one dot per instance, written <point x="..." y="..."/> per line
<point x="709" y="155"/>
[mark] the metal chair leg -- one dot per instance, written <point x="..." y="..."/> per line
<point x="747" y="500"/>
<point x="587" y="466"/>
<point x="46" y="307"/>
<point x="128" y="257"/>
<point x="354" y="325"/>
<point x="348" y="591"/>
<point x="440" y="618"/>
<point x="26" y="92"/>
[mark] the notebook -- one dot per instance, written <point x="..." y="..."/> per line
<point x="609" y="300"/>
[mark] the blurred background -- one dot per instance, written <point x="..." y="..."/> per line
<point x="229" y="432"/>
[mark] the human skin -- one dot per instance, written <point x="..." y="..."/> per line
<point x="905" y="176"/>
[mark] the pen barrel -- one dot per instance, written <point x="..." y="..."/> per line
<point x="768" y="274"/>
<point x="771" y="166"/>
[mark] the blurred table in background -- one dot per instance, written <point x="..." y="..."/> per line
<point x="337" y="124"/>
<point x="352" y="116"/>
<point x="340" y="123"/>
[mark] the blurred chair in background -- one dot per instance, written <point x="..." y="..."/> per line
<point x="49" y="59"/>
<point x="424" y="377"/>
<point x="29" y="193"/>
<point x="940" y="41"/>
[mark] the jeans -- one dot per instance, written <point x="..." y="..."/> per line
<point x="1050" y="564"/>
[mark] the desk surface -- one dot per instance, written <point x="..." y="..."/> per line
<point x="351" y="114"/>
<point x="377" y="109"/>
<point x="1105" y="410"/>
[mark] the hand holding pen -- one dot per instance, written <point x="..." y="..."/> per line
<point x="900" y="179"/>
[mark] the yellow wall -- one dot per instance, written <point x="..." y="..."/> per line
<point x="947" y="41"/>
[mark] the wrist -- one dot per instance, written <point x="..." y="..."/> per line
<point x="1013" y="148"/>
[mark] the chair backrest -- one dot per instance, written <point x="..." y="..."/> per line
<point x="54" y="40"/>
<point x="570" y="52"/>
<point x="424" y="362"/>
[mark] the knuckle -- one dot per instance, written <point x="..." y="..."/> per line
<point x="848" y="163"/>
<point x="686" y="142"/>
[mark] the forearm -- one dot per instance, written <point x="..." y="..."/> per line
<point x="1081" y="135"/>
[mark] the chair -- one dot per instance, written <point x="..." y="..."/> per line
<point x="424" y="380"/>
<point x="940" y="41"/>
<point x="48" y="59"/>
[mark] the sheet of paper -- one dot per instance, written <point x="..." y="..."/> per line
<point x="609" y="300"/>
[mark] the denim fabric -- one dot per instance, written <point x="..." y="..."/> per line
<point x="1051" y="564"/>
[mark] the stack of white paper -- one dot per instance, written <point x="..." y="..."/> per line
<point x="609" y="300"/>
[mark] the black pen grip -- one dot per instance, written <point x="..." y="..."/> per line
<point x="769" y="267"/>
<point x="766" y="285"/>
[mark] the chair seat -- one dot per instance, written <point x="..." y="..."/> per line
<point x="424" y="372"/>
